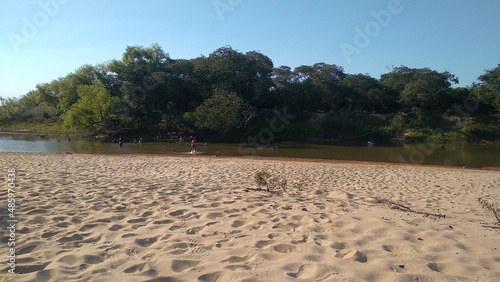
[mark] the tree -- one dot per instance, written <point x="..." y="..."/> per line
<point x="93" y="110"/>
<point x="419" y="87"/>
<point x="145" y="82"/>
<point x="9" y="108"/>
<point x="221" y="112"/>
<point x="369" y="94"/>
<point x="488" y="90"/>
<point x="420" y="94"/>
<point x="248" y="74"/>
<point x="317" y="87"/>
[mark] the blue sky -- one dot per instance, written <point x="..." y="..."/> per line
<point x="42" y="40"/>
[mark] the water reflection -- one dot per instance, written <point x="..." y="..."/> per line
<point x="454" y="155"/>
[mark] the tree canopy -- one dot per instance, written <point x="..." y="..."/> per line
<point x="232" y="94"/>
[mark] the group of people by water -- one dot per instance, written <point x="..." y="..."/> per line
<point x="135" y="141"/>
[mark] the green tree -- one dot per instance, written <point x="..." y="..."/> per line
<point x="488" y="90"/>
<point x="318" y="87"/>
<point x="222" y="112"/>
<point x="419" y="87"/>
<point x="369" y="94"/>
<point x="146" y="83"/>
<point x="9" y="109"/>
<point x="247" y="74"/>
<point x="93" y="110"/>
<point x="419" y="94"/>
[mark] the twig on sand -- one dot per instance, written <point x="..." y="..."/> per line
<point x="489" y="206"/>
<point x="396" y="206"/>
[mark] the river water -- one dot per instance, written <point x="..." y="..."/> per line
<point x="434" y="154"/>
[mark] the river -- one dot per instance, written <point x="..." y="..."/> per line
<point x="473" y="156"/>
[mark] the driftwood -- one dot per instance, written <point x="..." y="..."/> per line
<point x="396" y="206"/>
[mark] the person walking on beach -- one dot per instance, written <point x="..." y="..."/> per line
<point x="193" y="145"/>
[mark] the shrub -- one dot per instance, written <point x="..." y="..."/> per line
<point x="481" y="131"/>
<point x="491" y="207"/>
<point x="274" y="184"/>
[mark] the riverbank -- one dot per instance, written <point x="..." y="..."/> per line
<point x="147" y="217"/>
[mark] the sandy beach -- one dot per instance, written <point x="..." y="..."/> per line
<point x="157" y="218"/>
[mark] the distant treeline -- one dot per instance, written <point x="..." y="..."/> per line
<point x="236" y="96"/>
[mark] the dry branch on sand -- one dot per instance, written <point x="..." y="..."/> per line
<point x="491" y="207"/>
<point x="394" y="205"/>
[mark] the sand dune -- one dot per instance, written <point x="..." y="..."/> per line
<point x="157" y="218"/>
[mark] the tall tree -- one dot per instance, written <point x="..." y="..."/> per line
<point x="145" y="82"/>
<point x="370" y="95"/>
<point x="488" y="90"/>
<point x="93" y="110"/>
<point x="419" y="87"/>
<point x="222" y="112"/>
<point x="248" y="74"/>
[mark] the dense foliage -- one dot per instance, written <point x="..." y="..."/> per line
<point x="231" y="95"/>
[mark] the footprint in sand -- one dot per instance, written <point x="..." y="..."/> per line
<point x="140" y="267"/>
<point x="215" y="204"/>
<point x="63" y="224"/>
<point x="27" y="249"/>
<point x="272" y="235"/>
<point x="166" y="237"/>
<point x="306" y="271"/>
<point x="179" y="248"/>
<point x="177" y="213"/>
<point x="24" y="269"/>
<point x="105" y="220"/>
<point x="234" y="259"/>
<point x="284" y="248"/>
<point x="115" y="227"/>
<point x="92" y="259"/>
<point x="136" y="220"/>
<point x="234" y="267"/>
<point x="433" y="266"/>
<point x="59" y="218"/>
<point x="284" y="227"/>
<point x="174" y="227"/>
<point x="301" y="241"/>
<point x="194" y="230"/>
<point x="181" y="265"/>
<point x="263" y="243"/>
<point x="146" y="242"/>
<point x="351" y="254"/>
<point x="69" y="260"/>
<point x="214" y="215"/>
<point x="49" y="234"/>
<point x="164" y="221"/>
<point x="238" y="223"/>
<point x="397" y="250"/>
<point x="74" y="237"/>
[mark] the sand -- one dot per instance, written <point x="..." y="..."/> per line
<point x="157" y="218"/>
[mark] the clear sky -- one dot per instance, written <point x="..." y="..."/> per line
<point x="42" y="40"/>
